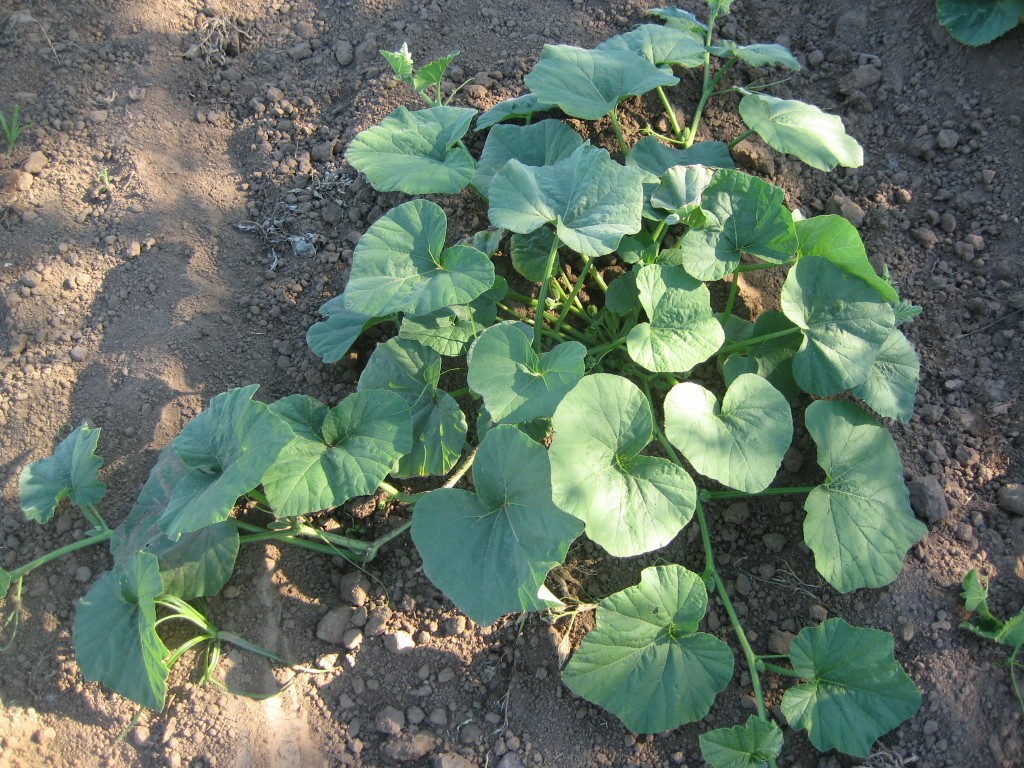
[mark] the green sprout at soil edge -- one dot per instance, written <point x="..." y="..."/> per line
<point x="13" y="128"/>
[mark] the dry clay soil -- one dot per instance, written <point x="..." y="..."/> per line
<point x="129" y="297"/>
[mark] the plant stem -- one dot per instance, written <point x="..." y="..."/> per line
<point x="760" y="265"/>
<point x="538" y="316"/>
<point x="727" y="495"/>
<point x="300" y="535"/>
<point x="604" y="349"/>
<point x="740" y="138"/>
<point x="784" y="671"/>
<point x="736" y="346"/>
<point x="734" y="289"/>
<point x="96" y="537"/>
<point x="587" y="267"/>
<point x="396" y="495"/>
<point x="614" y="114"/>
<point x="676" y="130"/>
<point x="378" y="544"/>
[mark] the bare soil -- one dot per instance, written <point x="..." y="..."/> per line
<point x="130" y="295"/>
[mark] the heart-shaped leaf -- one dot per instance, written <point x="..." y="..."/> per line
<point x="802" y="130"/>
<point x="681" y="189"/>
<point x="659" y="45"/>
<point x="438" y="424"/>
<point x="338" y="453"/>
<point x="844" y="323"/>
<point x="511" y="109"/>
<point x="772" y="359"/>
<point x="834" y="238"/>
<point x="227" y="448"/>
<point x="115" y="637"/>
<point x="543" y="143"/>
<point x="891" y="385"/>
<point x="630" y="503"/>
<point x="859" y="522"/>
<point x="515" y="382"/>
<point x="855" y="692"/>
<point x="401" y="265"/>
<point x="683" y="330"/>
<point x="415" y="152"/>
<point x="740" y="443"/>
<point x="978" y="22"/>
<point x="332" y="338"/>
<point x="450" y="330"/>
<point x="751" y="745"/>
<point x="590" y="199"/>
<point x="589" y="83"/>
<point x="651" y="155"/>
<point x="743" y="214"/>
<point x="72" y="471"/>
<point x="645" y="661"/>
<point x="490" y="551"/>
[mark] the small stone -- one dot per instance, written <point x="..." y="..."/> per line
<point x="774" y="542"/>
<point x="815" y="58"/>
<point x="743" y="585"/>
<point x="333" y="625"/>
<point x="925" y="236"/>
<point x="140" y="735"/>
<point x="79" y="354"/>
<point x="451" y="760"/>
<point x="399" y="642"/>
<point x="928" y="499"/>
<point x="511" y="760"/>
<point x="134" y="249"/>
<point x="408" y="747"/>
<point x="301" y="51"/>
<point x="305" y="30"/>
<point x="779" y="640"/>
<point x="98" y="116"/>
<point x="988" y="176"/>
<point x="736" y="513"/>
<point x="274" y="94"/>
<point x="843" y="206"/>
<point x="977" y="242"/>
<point x="864" y="77"/>
<point x="22" y="181"/>
<point x="817" y="612"/>
<point x="390" y="721"/>
<point x="35" y="163"/>
<point x="322" y="152"/>
<point x="376" y="622"/>
<point x="83" y="574"/>
<point x="344" y="53"/>
<point x="1011" y="498"/>
<point x="903" y="196"/>
<point x="947" y="222"/>
<point x="31" y="279"/>
<point x="947" y="139"/>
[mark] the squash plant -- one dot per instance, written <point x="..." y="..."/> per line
<point x="616" y="401"/>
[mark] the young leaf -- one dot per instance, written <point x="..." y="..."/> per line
<point x="401" y="63"/>
<point x="5" y="583"/>
<point x="590" y="199"/>
<point x="630" y="503"/>
<point x="743" y="214"/>
<point x="681" y="189"/>
<point x="834" y="238"/>
<point x="682" y="331"/>
<point x="515" y="382"/>
<point x="681" y="20"/>
<point x="892" y="382"/>
<point x="227" y="448"/>
<point x="645" y="661"/>
<point x="197" y="564"/>
<point x="438" y="424"/>
<point x="802" y="130"/>
<point x="977" y="22"/>
<point x="511" y="109"/>
<point x="759" y="54"/>
<point x="859" y="522"/>
<point x="530" y="253"/>
<point x="353" y="447"/>
<point x="115" y="637"/>
<point x="651" y="155"/>
<point x="401" y="265"/>
<point x="588" y="84"/>
<point x="415" y="152"/>
<point x="975" y="594"/>
<point x="433" y="73"/>
<point x="659" y="45"/>
<point x="490" y="551"/>
<point x="740" y="443"/>
<point x="332" y="338"/>
<point x="543" y="143"/>
<point x="72" y="471"/>
<point x="449" y="331"/>
<point x="771" y="359"/>
<point x="751" y="745"/>
<point x="855" y="690"/>
<point x="844" y="323"/>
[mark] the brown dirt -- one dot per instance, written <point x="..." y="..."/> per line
<point x="128" y="303"/>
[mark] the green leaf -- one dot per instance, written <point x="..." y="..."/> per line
<point x="892" y="382"/>
<point x="415" y="152"/>
<point x="681" y="20"/>
<point x="197" y="564"/>
<point x="227" y="448"/>
<point x="859" y="522"/>
<point x="511" y="109"/>
<point x="72" y="471"/>
<point x="975" y="594"/>
<point x="682" y="331"/>
<point x="590" y="199"/>
<point x="630" y="503"/>
<point x="530" y="253"/>
<point x="977" y="22"/>
<point x="743" y="214"/>
<point x="844" y="323"/>
<point x="401" y="63"/>
<point x="752" y="745"/>
<point x="659" y="45"/>
<point x="543" y="143"/>
<point x="332" y="338"/>
<point x="438" y="425"/>
<point x="487" y="241"/>
<point x="491" y="551"/>
<point x="589" y="83"/>
<point x="450" y="330"/>
<point x="353" y="447"/>
<point x="651" y="155"/>
<point x="739" y="443"/>
<point x="681" y="190"/>
<point x="515" y="382"/>
<point x="771" y="359"/>
<point x="802" y="130"/>
<point x="622" y="296"/>
<point x="759" y="54"/>
<point x="855" y="690"/>
<point x="433" y="73"/>
<point x="5" y="583"/>
<point x="115" y="637"/>
<point x="645" y="661"/>
<point x="1012" y="632"/>
<point x="834" y="238"/>
<point x="401" y="265"/>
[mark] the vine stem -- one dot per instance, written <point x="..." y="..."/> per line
<point x="740" y="138"/>
<point x="676" y="130"/>
<point x="97" y="537"/>
<point x="568" y="306"/>
<point x="538" y="315"/>
<point x="736" y="346"/>
<point x="734" y="289"/>
<point x="727" y="495"/>
<point x="614" y="114"/>
<point x="784" y="671"/>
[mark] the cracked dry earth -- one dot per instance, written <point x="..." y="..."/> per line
<point x="130" y="295"/>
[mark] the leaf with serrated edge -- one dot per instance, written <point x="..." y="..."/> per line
<point x="659" y="45"/>
<point x="751" y="745"/>
<point x="859" y="522"/>
<point x="834" y="238"/>
<point x="739" y="443"/>
<point x="630" y="503"/>
<point x="72" y="471"/>
<point x="539" y="144"/>
<point x="401" y="265"/>
<point x="802" y="130"/>
<point x="766" y="55"/>
<point x="645" y="661"/>
<point x="415" y="152"/>
<point x="891" y="385"/>
<point x="490" y="551"/>
<point x="855" y="690"/>
<point x="844" y="323"/>
<point x="682" y="331"/>
<point x="115" y="637"/>
<point x="515" y="382"/>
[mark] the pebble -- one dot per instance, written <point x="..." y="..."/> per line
<point x="408" y="747"/>
<point x="35" y="163"/>
<point x="399" y="642"/>
<point x="779" y="640"/>
<point x="864" y="77"/>
<point x="390" y="721"/>
<point x="947" y="139"/>
<point x="78" y="354"/>
<point x="925" y="236"/>
<point x="774" y="542"/>
<point x="344" y="53"/>
<point x="1011" y="498"/>
<point x="511" y="760"/>
<point x="333" y="625"/>
<point x="841" y="205"/>
<point x="301" y="51"/>
<point x="98" y="116"/>
<point x="928" y="499"/>
<point x="83" y="574"/>
<point x="451" y="760"/>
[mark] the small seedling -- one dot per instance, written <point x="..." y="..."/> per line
<point x="105" y="181"/>
<point x="985" y="624"/>
<point x="12" y="128"/>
